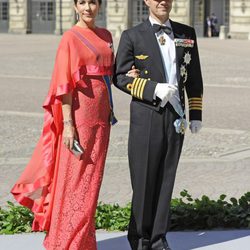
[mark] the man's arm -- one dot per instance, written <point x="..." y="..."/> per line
<point x="139" y="88"/>
<point x="194" y="84"/>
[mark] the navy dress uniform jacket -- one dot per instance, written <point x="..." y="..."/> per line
<point x="139" y="47"/>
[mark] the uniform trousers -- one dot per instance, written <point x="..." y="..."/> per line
<point x="154" y="150"/>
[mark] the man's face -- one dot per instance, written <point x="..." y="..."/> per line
<point x="158" y="8"/>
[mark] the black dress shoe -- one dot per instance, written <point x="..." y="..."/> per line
<point x="160" y="244"/>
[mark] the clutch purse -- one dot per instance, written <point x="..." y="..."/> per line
<point x="77" y="149"/>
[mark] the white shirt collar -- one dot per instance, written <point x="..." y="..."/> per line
<point x="153" y="21"/>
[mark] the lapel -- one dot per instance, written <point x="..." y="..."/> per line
<point x="152" y="47"/>
<point x="179" y="50"/>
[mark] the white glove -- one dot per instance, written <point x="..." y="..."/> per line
<point x="195" y="126"/>
<point x="164" y="91"/>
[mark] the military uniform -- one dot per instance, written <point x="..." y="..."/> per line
<point x="154" y="146"/>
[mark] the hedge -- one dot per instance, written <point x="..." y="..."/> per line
<point x="186" y="214"/>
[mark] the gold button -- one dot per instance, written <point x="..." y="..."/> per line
<point x="146" y="72"/>
<point x="129" y="86"/>
<point x="149" y="79"/>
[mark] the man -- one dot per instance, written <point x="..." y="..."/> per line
<point x="214" y="22"/>
<point x="166" y="55"/>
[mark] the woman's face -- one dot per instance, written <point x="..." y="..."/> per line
<point x="87" y="10"/>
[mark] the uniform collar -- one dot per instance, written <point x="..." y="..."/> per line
<point x="167" y="23"/>
<point x="153" y="21"/>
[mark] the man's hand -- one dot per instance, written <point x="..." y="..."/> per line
<point x="165" y="91"/>
<point x="195" y="126"/>
<point x="133" y="72"/>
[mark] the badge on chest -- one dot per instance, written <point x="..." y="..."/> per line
<point x="162" y="40"/>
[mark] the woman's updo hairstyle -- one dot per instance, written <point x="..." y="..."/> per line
<point x="99" y="1"/>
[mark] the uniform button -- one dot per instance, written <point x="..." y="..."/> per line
<point x="146" y="72"/>
<point x="182" y="89"/>
<point x="154" y="103"/>
<point x="149" y="79"/>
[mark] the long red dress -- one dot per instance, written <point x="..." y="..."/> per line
<point x="60" y="189"/>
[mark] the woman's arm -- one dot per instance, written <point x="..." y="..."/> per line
<point x="69" y="128"/>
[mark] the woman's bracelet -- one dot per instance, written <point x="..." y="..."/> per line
<point x="68" y="122"/>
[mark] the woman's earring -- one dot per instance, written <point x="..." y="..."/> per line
<point x="77" y="16"/>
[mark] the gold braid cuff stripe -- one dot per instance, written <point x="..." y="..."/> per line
<point x="137" y="87"/>
<point x="195" y="103"/>
<point x="195" y="99"/>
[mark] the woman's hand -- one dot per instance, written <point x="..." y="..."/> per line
<point x="69" y="133"/>
<point x="133" y="72"/>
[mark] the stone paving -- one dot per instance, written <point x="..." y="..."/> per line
<point x="199" y="240"/>
<point x="213" y="162"/>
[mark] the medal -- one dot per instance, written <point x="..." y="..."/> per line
<point x="187" y="58"/>
<point x="186" y="43"/>
<point x="182" y="127"/>
<point x="162" y="40"/>
<point x="183" y="72"/>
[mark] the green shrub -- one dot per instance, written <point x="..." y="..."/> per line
<point x="16" y="219"/>
<point x="204" y="213"/>
<point x="112" y="217"/>
<point x="186" y="214"/>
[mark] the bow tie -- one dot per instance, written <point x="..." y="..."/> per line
<point x="166" y="29"/>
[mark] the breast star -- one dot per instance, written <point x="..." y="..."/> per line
<point x="187" y="58"/>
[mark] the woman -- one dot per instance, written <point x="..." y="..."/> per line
<point x="58" y="186"/>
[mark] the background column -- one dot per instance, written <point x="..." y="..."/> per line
<point x="65" y="17"/>
<point x="240" y="19"/>
<point x="18" y="16"/>
<point x="117" y="16"/>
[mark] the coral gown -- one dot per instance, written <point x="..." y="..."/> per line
<point x="60" y="189"/>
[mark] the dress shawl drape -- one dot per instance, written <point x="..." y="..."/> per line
<point x="35" y="187"/>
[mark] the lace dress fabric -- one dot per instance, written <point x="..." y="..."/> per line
<point x="78" y="181"/>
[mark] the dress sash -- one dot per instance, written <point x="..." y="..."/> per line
<point x="106" y="78"/>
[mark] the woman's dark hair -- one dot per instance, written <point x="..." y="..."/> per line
<point x="100" y="2"/>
